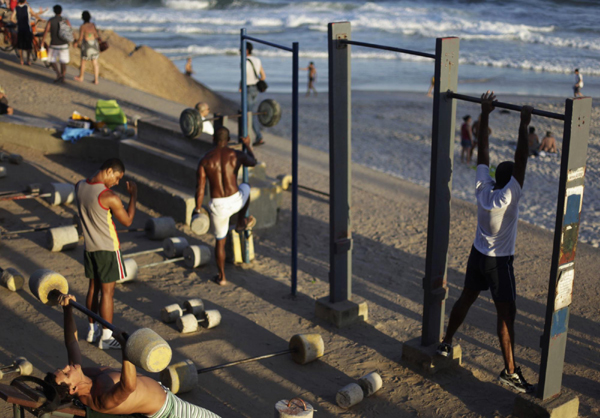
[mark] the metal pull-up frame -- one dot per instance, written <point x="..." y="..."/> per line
<point x="244" y="123"/>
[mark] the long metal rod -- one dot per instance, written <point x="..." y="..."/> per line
<point x="248" y="360"/>
<point x="260" y="41"/>
<point x="152" y="251"/>
<point x="245" y="175"/>
<point x="81" y="308"/>
<point x="295" y="93"/>
<point x="387" y="48"/>
<point x="158" y="263"/>
<point x="122" y="231"/>
<point x="26" y="196"/>
<point x="502" y="105"/>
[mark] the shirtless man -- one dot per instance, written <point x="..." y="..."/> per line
<point x="548" y="143"/>
<point x="221" y="166"/>
<point x="112" y="391"/>
<point x="312" y="76"/>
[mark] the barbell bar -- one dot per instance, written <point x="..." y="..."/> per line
<point x="183" y="376"/>
<point x="20" y="366"/>
<point x="55" y="194"/>
<point x="193" y="256"/>
<point x="144" y="347"/>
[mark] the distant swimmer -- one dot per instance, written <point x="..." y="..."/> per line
<point x="578" y="84"/>
<point x="221" y="166"/>
<point x="549" y="143"/>
<point x="312" y="77"/>
<point x="188" y="67"/>
<point x="490" y="264"/>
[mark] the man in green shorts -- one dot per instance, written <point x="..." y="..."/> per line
<point x="112" y="391"/>
<point x="97" y="205"/>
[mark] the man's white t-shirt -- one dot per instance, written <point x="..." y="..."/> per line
<point x="578" y="80"/>
<point x="251" y="79"/>
<point x="497" y="214"/>
<point x="207" y="128"/>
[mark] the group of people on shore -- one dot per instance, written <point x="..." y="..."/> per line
<point x="469" y="134"/>
<point x="61" y="35"/>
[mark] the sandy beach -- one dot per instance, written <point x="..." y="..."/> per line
<point x="391" y="146"/>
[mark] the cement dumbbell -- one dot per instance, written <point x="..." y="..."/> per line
<point x="193" y="256"/>
<point x="287" y="180"/>
<point x="144" y="347"/>
<point x="11" y="279"/>
<point x="189" y="323"/>
<point x="62" y="238"/>
<point x="20" y="366"/>
<point x="11" y="158"/>
<point x="353" y="393"/>
<point x="170" y="313"/>
<point x="200" y="222"/>
<point x="183" y="376"/>
<point x="172" y="247"/>
<point x="156" y="228"/>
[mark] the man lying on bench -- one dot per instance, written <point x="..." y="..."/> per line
<point x="110" y="391"/>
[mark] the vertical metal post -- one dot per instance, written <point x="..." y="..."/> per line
<point x="244" y="122"/>
<point x="562" y="272"/>
<point x="340" y="123"/>
<point x="440" y="189"/>
<point x="295" y="66"/>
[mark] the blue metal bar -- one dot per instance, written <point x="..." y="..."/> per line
<point x="260" y="41"/>
<point x="246" y="254"/>
<point x="387" y="48"/>
<point x="295" y="67"/>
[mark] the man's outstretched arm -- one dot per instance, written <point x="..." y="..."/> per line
<point x="200" y="185"/>
<point x="247" y="158"/>
<point x="70" y="330"/>
<point x="483" y="145"/>
<point x="128" y="382"/>
<point x="522" y="152"/>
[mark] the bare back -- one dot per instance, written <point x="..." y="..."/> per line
<point x="222" y="165"/>
<point x="147" y="398"/>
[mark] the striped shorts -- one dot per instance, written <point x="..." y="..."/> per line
<point x="177" y="408"/>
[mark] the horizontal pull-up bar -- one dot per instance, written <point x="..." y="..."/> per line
<point x="508" y="106"/>
<point x="260" y="41"/>
<point x="386" y="48"/>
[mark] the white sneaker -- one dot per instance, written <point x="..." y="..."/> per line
<point x="109" y="344"/>
<point x="94" y="334"/>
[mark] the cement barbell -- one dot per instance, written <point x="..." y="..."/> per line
<point x="193" y="256"/>
<point x="3" y="172"/>
<point x="54" y="193"/>
<point x="287" y="180"/>
<point x="144" y="348"/>
<point x="183" y="376"/>
<point x="20" y="366"/>
<point x="11" y="158"/>
<point x="11" y="279"/>
<point x="200" y="222"/>
<point x="191" y="123"/>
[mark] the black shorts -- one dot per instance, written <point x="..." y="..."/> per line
<point x="494" y="273"/>
<point x="106" y="266"/>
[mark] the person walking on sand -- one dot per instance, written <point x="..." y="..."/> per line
<point x="89" y="42"/>
<point x="188" y="67"/>
<point x="548" y="143"/>
<point x="490" y="264"/>
<point x="97" y="205"/>
<point x="578" y="84"/>
<point x="533" y="142"/>
<point x="113" y="392"/>
<point x="475" y="132"/>
<point x="254" y="73"/>
<point x="312" y="77"/>
<point x="22" y="17"/>
<point x="59" y="47"/>
<point x="221" y="165"/>
<point x="466" y="140"/>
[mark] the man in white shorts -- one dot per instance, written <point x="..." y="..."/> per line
<point x="221" y="166"/>
<point x="59" y="48"/>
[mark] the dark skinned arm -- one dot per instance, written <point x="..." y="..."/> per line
<point x="200" y="185"/>
<point x="113" y="202"/>
<point x="247" y="158"/>
<point x="483" y="145"/>
<point x="46" y="31"/>
<point x="70" y="330"/>
<point x="522" y="152"/>
<point x="128" y="382"/>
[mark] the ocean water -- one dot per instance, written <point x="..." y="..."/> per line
<point x="519" y="47"/>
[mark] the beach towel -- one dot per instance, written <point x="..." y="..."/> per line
<point x="75" y="134"/>
<point x="109" y="112"/>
